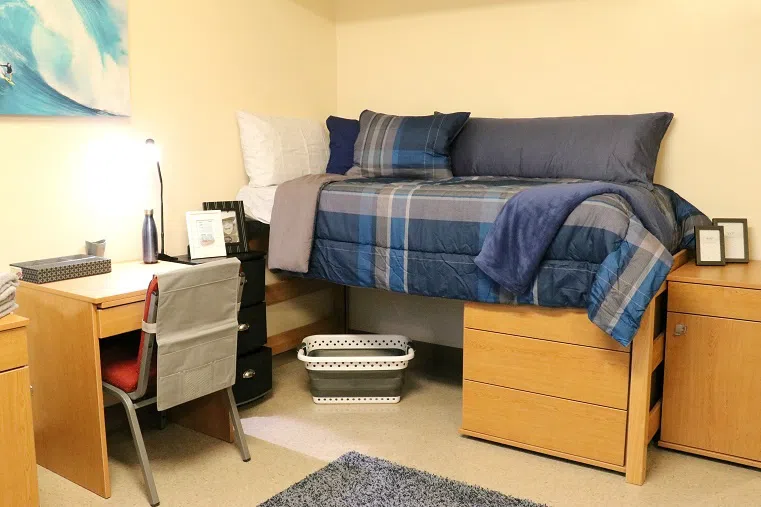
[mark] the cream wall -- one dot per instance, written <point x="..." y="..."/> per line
<point x="192" y="64"/>
<point x="697" y="58"/>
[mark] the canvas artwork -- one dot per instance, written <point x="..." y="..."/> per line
<point x="64" y="58"/>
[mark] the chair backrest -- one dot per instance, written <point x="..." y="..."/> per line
<point x="195" y="331"/>
<point x="147" y="339"/>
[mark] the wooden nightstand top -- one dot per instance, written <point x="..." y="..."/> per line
<point x="12" y="321"/>
<point x="745" y="276"/>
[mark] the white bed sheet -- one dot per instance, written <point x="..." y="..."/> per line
<point x="258" y="202"/>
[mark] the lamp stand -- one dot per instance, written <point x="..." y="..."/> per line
<point x="163" y="256"/>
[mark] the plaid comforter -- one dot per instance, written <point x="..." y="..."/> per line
<point x="420" y="237"/>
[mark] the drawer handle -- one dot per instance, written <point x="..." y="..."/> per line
<point x="680" y="330"/>
<point x="249" y="374"/>
<point x="243" y="327"/>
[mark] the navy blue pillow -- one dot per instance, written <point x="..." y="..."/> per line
<point x="343" y="135"/>
<point x="617" y="148"/>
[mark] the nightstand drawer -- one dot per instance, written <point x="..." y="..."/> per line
<point x="13" y="352"/>
<point x="715" y="301"/>
<point x="253" y="375"/>
<point x="253" y="290"/>
<point x="579" y="429"/>
<point x="573" y="372"/>
<point x="252" y="328"/>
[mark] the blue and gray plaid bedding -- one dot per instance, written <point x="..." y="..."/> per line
<point x="421" y="237"/>
<point x="405" y="146"/>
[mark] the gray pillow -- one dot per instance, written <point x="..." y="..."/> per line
<point x="621" y="149"/>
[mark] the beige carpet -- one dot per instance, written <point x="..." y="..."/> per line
<point x="291" y="437"/>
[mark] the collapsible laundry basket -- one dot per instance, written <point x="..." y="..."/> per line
<point x="348" y="368"/>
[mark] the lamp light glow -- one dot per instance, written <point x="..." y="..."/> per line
<point x="152" y="152"/>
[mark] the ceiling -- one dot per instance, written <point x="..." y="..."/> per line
<point x="362" y="10"/>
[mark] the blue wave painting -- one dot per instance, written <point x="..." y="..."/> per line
<point x="64" y="58"/>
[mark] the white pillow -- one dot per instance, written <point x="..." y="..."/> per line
<point x="276" y="150"/>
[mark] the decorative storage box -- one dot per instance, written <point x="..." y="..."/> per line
<point x="61" y="268"/>
<point x="356" y="368"/>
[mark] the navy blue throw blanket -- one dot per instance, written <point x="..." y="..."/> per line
<point x="525" y="228"/>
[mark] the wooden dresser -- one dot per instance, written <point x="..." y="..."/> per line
<point x="712" y="383"/>
<point x="18" y="466"/>
<point x="554" y="391"/>
<point x="550" y="381"/>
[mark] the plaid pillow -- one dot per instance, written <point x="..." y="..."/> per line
<point x="405" y="146"/>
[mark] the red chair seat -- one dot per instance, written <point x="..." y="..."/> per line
<point x="120" y="364"/>
<point x="120" y="355"/>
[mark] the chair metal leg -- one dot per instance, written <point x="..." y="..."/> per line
<point x="137" y="437"/>
<point x="240" y="438"/>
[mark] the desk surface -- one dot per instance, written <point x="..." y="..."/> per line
<point x="126" y="280"/>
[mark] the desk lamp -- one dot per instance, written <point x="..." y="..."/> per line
<point x="153" y="154"/>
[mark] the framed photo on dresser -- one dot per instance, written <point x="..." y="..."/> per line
<point x="233" y="224"/>
<point x="735" y="238"/>
<point x="709" y="246"/>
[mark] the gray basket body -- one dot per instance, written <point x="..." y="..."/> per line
<point x="357" y="384"/>
<point x="356" y="368"/>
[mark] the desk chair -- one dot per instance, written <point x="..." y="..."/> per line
<point x="186" y="349"/>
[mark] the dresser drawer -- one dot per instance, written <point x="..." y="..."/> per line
<point x="570" y="326"/>
<point x="253" y="290"/>
<point x="13" y="352"/>
<point x="253" y="376"/>
<point x="120" y="319"/>
<point x="18" y="479"/>
<point x="574" y="372"/>
<point x="252" y="328"/>
<point x="715" y="301"/>
<point x="570" y="427"/>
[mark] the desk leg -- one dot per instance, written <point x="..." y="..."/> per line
<point x="208" y="415"/>
<point x="67" y="397"/>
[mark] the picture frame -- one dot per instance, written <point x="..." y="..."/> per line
<point x="735" y="239"/>
<point x="709" y="246"/>
<point x="234" y="224"/>
<point x="206" y="238"/>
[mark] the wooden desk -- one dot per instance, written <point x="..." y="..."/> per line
<point x="67" y="320"/>
<point x="18" y="469"/>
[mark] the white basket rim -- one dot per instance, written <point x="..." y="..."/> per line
<point x="403" y="344"/>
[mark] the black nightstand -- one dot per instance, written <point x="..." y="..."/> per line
<point x="254" y="368"/>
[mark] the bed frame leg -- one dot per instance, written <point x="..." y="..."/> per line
<point x="639" y="399"/>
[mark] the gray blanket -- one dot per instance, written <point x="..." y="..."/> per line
<point x="7" y="307"/>
<point x="7" y="279"/>
<point x="292" y="225"/>
<point x="8" y="284"/>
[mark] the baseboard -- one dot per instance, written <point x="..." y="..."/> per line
<point x="291" y="339"/>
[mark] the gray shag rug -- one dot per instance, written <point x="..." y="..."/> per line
<point x="355" y="480"/>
